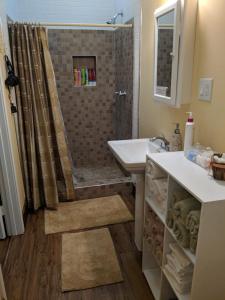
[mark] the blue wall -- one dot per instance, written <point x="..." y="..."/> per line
<point x="74" y="11"/>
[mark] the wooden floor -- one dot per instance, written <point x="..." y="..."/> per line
<point x="32" y="269"/>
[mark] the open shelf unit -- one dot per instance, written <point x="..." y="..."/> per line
<point x="207" y="281"/>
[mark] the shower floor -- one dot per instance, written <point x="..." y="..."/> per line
<point x="99" y="175"/>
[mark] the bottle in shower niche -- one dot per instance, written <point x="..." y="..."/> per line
<point x="92" y="77"/>
<point x="86" y="77"/>
<point x="189" y="133"/>
<point x="79" y="78"/>
<point x="83" y="76"/>
<point x="75" y="76"/>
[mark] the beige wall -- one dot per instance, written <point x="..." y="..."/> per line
<point x="4" y="48"/>
<point x="157" y="118"/>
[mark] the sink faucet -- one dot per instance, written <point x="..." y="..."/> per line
<point x="165" y="144"/>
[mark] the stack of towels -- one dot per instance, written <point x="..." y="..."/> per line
<point x="157" y="186"/>
<point x="179" y="269"/>
<point x="154" y="234"/>
<point x="184" y="217"/>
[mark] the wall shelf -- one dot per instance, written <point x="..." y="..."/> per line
<point x="84" y="71"/>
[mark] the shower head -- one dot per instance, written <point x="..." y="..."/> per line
<point x="114" y="18"/>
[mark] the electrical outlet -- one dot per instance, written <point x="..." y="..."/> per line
<point x="205" y="89"/>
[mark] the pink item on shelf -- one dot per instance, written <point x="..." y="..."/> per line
<point x="93" y="75"/>
<point x="89" y="75"/>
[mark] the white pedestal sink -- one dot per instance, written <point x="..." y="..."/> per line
<point x="132" y="156"/>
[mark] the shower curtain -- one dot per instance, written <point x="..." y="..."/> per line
<point x="45" y="158"/>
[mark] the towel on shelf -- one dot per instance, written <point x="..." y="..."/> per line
<point x="177" y="267"/>
<point x="181" y="233"/>
<point x="192" y="221"/>
<point x="184" y="262"/>
<point x="156" y="189"/>
<point x="161" y="187"/>
<point x="182" y="287"/>
<point x="193" y="242"/>
<point x="181" y="280"/>
<point x="183" y="207"/>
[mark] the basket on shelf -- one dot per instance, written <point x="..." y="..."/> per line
<point x="218" y="169"/>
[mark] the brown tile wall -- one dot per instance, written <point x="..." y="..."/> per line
<point x="124" y="41"/>
<point x="89" y="112"/>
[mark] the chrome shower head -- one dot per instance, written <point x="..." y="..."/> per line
<point x="114" y="18"/>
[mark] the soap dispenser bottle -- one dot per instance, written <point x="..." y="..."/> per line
<point x="189" y="133"/>
<point x="176" y="140"/>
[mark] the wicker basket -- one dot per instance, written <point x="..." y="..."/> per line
<point x="218" y="169"/>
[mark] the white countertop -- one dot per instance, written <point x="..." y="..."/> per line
<point x="192" y="177"/>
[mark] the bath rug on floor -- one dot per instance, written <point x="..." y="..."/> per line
<point x="89" y="260"/>
<point x="86" y="214"/>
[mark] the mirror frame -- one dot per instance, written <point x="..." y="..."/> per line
<point x="176" y="6"/>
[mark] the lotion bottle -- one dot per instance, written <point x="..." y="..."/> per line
<point x="189" y="133"/>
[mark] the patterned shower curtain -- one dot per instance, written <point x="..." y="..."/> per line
<point x="45" y="158"/>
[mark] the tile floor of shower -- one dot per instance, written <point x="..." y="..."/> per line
<point x="100" y="175"/>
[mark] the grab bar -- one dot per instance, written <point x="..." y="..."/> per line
<point x="120" y="93"/>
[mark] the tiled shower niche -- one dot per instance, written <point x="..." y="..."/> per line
<point x="84" y="71"/>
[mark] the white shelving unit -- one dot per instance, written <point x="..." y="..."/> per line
<point x="208" y="280"/>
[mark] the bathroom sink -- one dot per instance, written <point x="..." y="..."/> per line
<point x="132" y="153"/>
<point x="132" y="156"/>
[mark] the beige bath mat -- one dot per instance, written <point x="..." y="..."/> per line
<point x="85" y="214"/>
<point x="89" y="260"/>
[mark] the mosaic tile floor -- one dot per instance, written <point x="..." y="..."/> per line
<point x="100" y="175"/>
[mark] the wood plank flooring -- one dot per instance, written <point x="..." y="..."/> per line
<point x="32" y="265"/>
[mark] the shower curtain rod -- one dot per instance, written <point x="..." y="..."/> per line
<point x="81" y="25"/>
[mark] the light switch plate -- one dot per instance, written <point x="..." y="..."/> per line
<point x="205" y="89"/>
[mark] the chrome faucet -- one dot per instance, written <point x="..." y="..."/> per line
<point x="165" y="144"/>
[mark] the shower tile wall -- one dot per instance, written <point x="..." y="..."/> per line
<point x="124" y="41"/>
<point x="87" y="111"/>
<point x="93" y="115"/>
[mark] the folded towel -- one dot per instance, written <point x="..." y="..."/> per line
<point x="183" y="207"/>
<point x="157" y="191"/>
<point x="192" y="221"/>
<point x="184" y="262"/>
<point x="180" y="280"/>
<point x="183" y="287"/>
<point x="177" y="267"/>
<point x="181" y="233"/>
<point x="161" y="186"/>
<point x="193" y="242"/>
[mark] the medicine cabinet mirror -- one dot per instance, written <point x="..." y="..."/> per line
<point x="167" y="36"/>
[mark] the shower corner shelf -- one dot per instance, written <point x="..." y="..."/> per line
<point x="84" y="71"/>
<point x="208" y="262"/>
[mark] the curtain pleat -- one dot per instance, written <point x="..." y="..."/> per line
<point x="47" y="167"/>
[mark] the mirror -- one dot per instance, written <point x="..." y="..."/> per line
<point x="166" y="53"/>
